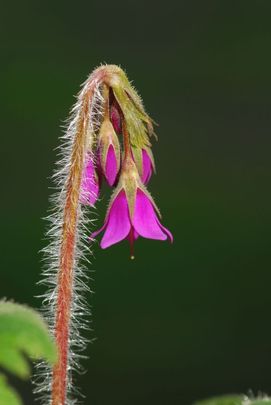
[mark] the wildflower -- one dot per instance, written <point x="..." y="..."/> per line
<point x="145" y="162"/>
<point x="119" y="223"/>
<point x="115" y="116"/>
<point x="109" y="151"/>
<point x="132" y="212"/>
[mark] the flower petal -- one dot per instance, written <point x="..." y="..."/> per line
<point x="89" y="185"/>
<point x="169" y="234"/>
<point x="147" y="167"/>
<point x="135" y="235"/>
<point x="111" y="167"/>
<point x="94" y="234"/>
<point x="118" y="225"/>
<point x="115" y="118"/>
<point x="145" y="220"/>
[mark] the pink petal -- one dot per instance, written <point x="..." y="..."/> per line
<point x="94" y="234"/>
<point x="89" y="185"/>
<point x="147" y="167"/>
<point x="135" y="235"/>
<point x="111" y="166"/>
<point x="118" y="225"/>
<point x="145" y="220"/>
<point x="115" y="118"/>
<point x="169" y="234"/>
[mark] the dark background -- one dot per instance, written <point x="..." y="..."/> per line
<point x="185" y="321"/>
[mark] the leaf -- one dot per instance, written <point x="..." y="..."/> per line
<point x="23" y="332"/>
<point x="260" y="402"/>
<point x="7" y="394"/>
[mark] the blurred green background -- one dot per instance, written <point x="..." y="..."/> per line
<point x="181" y="322"/>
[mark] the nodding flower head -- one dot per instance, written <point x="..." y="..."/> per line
<point x="109" y="151"/>
<point x="131" y="213"/>
<point x="126" y="165"/>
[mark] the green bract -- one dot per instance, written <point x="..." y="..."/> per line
<point x="139" y="124"/>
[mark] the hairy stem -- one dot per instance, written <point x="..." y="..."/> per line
<point x="67" y="252"/>
<point x="68" y="248"/>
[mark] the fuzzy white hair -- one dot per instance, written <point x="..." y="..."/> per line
<point x="80" y="310"/>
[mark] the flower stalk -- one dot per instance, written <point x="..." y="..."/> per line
<point x="67" y="258"/>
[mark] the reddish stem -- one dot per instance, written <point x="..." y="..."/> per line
<point x="68" y="248"/>
<point x="126" y="142"/>
<point x="66" y="270"/>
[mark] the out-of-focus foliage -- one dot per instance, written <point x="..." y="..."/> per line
<point x="22" y="332"/>
<point x="234" y="400"/>
<point x="7" y="394"/>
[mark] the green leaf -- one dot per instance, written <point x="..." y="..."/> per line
<point x="23" y="332"/>
<point x="225" y="400"/>
<point x="7" y="394"/>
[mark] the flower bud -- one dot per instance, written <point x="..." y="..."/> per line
<point x="115" y="116"/>
<point x="109" y="150"/>
<point x="90" y="184"/>
<point x="144" y="161"/>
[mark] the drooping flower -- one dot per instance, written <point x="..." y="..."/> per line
<point x="132" y="212"/>
<point x="90" y="184"/>
<point x="144" y="161"/>
<point x="109" y="151"/>
<point x="119" y="223"/>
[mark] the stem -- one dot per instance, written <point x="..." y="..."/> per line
<point x="65" y="275"/>
<point x="126" y="141"/>
<point x="68" y="247"/>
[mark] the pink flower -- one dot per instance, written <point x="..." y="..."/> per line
<point x="109" y="152"/>
<point x="115" y="117"/>
<point x="90" y="184"/>
<point x="144" y="161"/>
<point x="147" y="167"/>
<point x="120" y="224"/>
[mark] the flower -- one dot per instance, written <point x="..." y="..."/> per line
<point x="90" y="184"/>
<point x="144" y="161"/>
<point x="109" y="151"/>
<point x="115" y="116"/>
<point x="120" y="224"/>
<point x="132" y="211"/>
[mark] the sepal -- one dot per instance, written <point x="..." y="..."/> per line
<point x="139" y="124"/>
